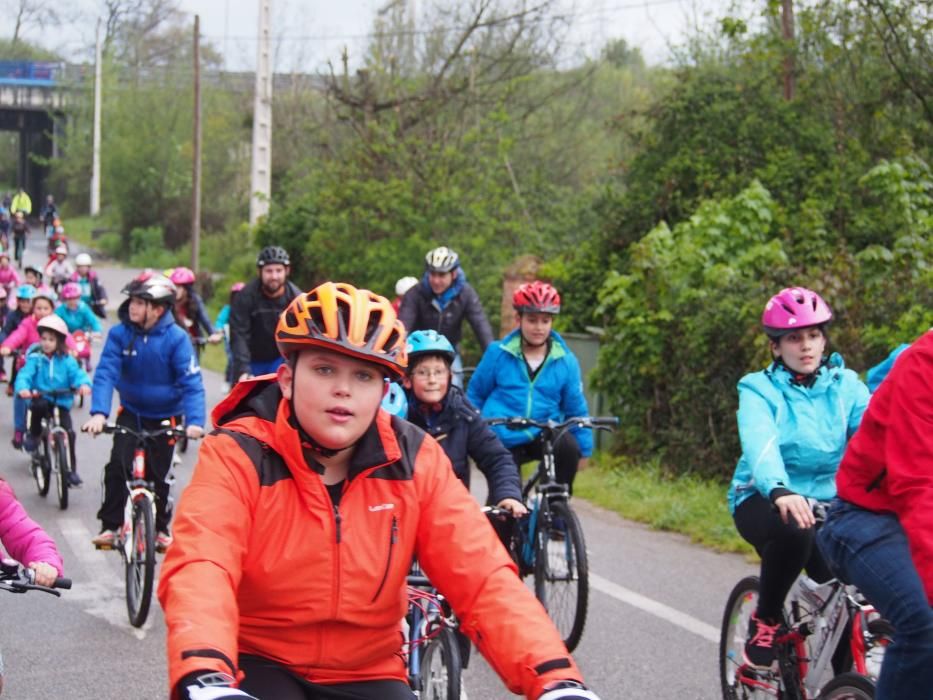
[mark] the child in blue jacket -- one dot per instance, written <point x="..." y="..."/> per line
<point x="76" y="314"/>
<point x="51" y="368"/>
<point x="795" y="419"/>
<point x="149" y="360"/>
<point x="532" y="373"/>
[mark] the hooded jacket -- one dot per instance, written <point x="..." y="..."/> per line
<point x="21" y="536"/>
<point x="793" y="436"/>
<point x="253" y="318"/>
<point x="888" y="466"/>
<point x="26" y="334"/>
<point x="502" y="388"/>
<point x="44" y="373"/>
<point x="421" y="310"/>
<point x="264" y="563"/>
<point x="81" y="319"/>
<point x="462" y="432"/>
<point x="92" y="292"/>
<point x="155" y="372"/>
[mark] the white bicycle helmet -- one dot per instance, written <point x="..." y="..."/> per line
<point x="53" y="322"/>
<point x="151" y="287"/>
<point x="82" y="259"/>
<point x="404" y="284"/>
<point x="441" y="259"/>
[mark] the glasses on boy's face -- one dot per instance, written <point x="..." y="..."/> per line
<point x="429" y="373"/>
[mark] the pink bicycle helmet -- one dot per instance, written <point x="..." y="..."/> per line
<point x="182" y="276"/>
<point x="71" y="290"/>
<point x="237" y="287"/>
<point x="793" y="308"/>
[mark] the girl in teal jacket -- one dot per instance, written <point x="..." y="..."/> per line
<point x="795" y="419"/>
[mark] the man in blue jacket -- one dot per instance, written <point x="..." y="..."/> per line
<point x="532" y="373"/>
<point x="149" y="360"/>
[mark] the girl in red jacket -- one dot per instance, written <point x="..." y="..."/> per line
<point x="294" y="538"/>
<point x="879" y="532"/>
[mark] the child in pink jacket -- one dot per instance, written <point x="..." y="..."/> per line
<point x="25" y="540"/>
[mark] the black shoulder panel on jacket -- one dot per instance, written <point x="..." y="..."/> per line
<point x="262" y="402"/>
<point x="270" y="467"/>
<point x="409" y="439"/>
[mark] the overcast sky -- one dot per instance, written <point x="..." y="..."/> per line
<point x="310" y="32"/>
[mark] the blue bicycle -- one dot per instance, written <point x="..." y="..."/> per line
<point x="434" y="666"/>
<point x="548" y="542"/>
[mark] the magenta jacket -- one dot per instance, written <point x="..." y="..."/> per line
<point x="21" y="536"/>
<point x="27" y="333"/>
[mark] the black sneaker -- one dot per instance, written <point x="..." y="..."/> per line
<point x="74" y="480"/>
<point x="759" y="649"/>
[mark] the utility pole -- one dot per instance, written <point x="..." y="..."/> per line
<point x="787" y="27"/>
<point x="261" y="170"/>
<point x="196" y="173"/>
<point x="95" y="166"/>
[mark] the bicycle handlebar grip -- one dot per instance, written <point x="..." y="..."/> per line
<point x="62" y="582"/>
<point x="608" y="421"/>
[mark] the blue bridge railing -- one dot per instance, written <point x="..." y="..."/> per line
<point x="38" y="73"/>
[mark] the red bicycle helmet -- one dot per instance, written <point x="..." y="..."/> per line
<point x="536" y="297"/>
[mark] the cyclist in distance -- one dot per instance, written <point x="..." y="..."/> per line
<point x="401" y="289"/>
<point x="21" y="203"/>
<point x="52" y="369"/>
<point x="794" y="420"/>
<point x="48" y="215"/>
<point x="532" y="373"/>
<point x="306" y="457"/>
<point x="75" y="313"/>
<point x="442" y="411"/>
<point x="441" y="301"/>
<point x="20" y="228"/>
<point x="9" y="277"/>
<point x="878" y="533"/>
<point x="59" y="270"/>
<point x="223" y="323"/>
<point x="255" y="312"/>
<point x="92" y="291"/>
<point x="189" y="307"/>
<point x="149" y="360"/>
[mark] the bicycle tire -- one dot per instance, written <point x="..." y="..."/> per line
<point x="441" y="667"/>
<point x="742" y="601"/>
<point x="42" y="470"/>
<point x="562" y="571"/>
<point x="880" y="635"/>
<point x="140" y="564"/>
<point x="60" y="455"/>
<point x="183" y="444"/>
<point x="848" y="686"/>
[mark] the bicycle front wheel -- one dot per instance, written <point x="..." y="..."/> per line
<point x="848" y="686"/>
<point x="60" y="461"/>
<point x="140" y="562"/>
<point x="41" y="469"/>
<point x="743" y="600"/>
<point x="562" y="572"/>
<point x="440" y="667"/>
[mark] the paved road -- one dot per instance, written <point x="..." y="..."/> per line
<point x="654" y="612"/>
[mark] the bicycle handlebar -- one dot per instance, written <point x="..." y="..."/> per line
<point x="172" y="431"/>
<point x="16" y="578"/>
<point x="594" y="422"/>
<point x="54" y="392"/>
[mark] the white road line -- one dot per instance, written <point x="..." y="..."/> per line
<point x="102" y="594"/>
<point x="653" y="607"/>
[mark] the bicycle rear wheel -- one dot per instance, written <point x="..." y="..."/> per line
<point x="41" y="468"/>
<point x="742" y="602"/>
<point x="848" y="686"/>
<point x="440" y="667"/>
<point x="562" y="571"/>
<point x="140" y="562"/>
<point x="60" y="457"/>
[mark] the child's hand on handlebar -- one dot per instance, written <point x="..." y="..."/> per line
<point x="795" y="506"/>
<point x="45" y="573"/>
<point x="25" y="394"/>
<point x="95" y="425"/>
<point x="84" y="390"/>
<point x="516" y="508"/>
<point x="194" y="432"/>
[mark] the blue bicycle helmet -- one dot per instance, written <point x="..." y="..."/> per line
<point x="395" y="401"/>
<point x="429" y="343"/>
<point x="26" y="291"/>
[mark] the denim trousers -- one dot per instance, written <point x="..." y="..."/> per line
<point x="870" y="550"/>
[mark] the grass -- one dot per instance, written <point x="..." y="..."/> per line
<point x="645" y="493"/>
<point x="214" y="358"/>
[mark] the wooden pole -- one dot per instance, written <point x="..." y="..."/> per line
<point x="196" y="174"/>
<point x="787" y="27"/>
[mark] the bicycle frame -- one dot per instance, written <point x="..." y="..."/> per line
<point x="138" y="488"/>
<point x="426" y="608"/>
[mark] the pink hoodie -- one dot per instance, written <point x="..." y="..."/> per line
<point x="9" y="278"/>
<point x="21" y="536"/>
<point x="27" y="333"/>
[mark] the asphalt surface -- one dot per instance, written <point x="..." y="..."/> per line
<point x="655" y="605"/>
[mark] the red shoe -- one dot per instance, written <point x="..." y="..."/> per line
<point x="163" y="540"/>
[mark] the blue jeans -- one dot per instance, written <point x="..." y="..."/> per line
<point x="19" y="413"/>
<point x="870" y="550"/>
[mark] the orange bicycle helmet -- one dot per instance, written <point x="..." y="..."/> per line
<point x="338" y="316"/>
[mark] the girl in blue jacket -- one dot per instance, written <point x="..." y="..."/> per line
<point x="795" y="418"/>
<point x="51" y="368"/>
<point x="532" y="373"/>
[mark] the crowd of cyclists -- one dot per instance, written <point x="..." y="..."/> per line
<point x="347" y="424"/>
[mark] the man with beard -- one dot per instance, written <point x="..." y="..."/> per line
<point x="532" y="373"/>
<point x="255" y="313"/>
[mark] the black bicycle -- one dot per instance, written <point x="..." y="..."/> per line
<point x="549" y="542"/>
<point x="16" y="578"/>
<point x="52" y="456"/>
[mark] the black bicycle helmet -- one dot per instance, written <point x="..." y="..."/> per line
<point x="152" y="287"/>
<point x="273" y="255"/>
